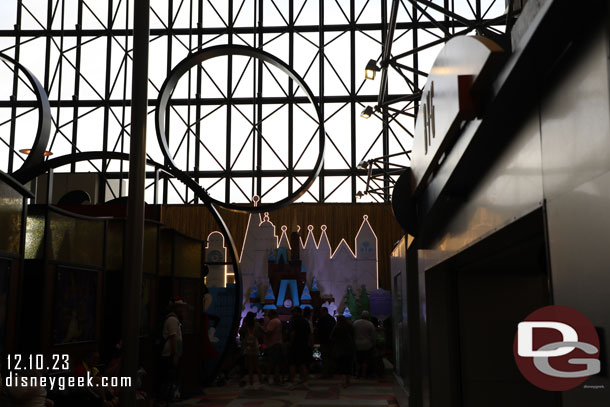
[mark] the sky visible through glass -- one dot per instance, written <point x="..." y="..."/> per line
<point x="238" y="131"/>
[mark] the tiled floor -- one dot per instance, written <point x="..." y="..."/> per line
<point x="317" y="393"/>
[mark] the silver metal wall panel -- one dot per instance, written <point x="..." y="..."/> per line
<point x="576" y="166"/>
<point x="511" y="189"/>
<point x="575" y="123"/>
<point x="579" y="239"/>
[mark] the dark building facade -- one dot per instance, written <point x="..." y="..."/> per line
<point x="514" y="218"/>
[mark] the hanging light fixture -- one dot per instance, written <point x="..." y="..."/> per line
<point x="27" y="151"/>
<point x="367" y="112"/>
<point x="362" y="165"/>
<point x="371" y="69"/>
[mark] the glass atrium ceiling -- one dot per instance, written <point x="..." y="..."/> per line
<point x="237" y="125"/>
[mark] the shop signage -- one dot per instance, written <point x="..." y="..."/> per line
<point x="460" y="73"/>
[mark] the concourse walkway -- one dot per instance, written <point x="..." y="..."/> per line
<point x="316" y="393"/>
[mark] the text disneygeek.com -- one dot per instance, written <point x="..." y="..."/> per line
<point x="63" y="382"/>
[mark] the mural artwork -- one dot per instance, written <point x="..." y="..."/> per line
<point x="292" y="269"/>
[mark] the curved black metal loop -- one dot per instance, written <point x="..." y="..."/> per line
<point x="224" y="50"/>
<point x="16" y="185"/>
<point x="33" y="172"/>
<point x="43" y="132"/>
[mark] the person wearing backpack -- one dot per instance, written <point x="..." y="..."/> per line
<point x="249" y="333"/>
<point x="343" y="348"/>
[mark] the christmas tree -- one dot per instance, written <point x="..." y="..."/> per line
<point x="352" y="304"/>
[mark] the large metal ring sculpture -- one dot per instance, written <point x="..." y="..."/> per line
<point x="224" y="50"/>
<point x="36" y="154"/>
<point x="35" y="164"/>
<point x="32" y="172"/>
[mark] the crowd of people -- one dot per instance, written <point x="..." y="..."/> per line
<point x="276" y="352"/>
<point x="283" y="352"/>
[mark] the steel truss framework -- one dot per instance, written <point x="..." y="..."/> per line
<point x="237" y="127"/>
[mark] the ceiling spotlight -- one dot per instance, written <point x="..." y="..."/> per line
<point x="27" y="151"/>
<point x="367" y="112"/>
<point x="362" y="165"/>
<point x="371" y="69"/>
<point x="359" y="195"/>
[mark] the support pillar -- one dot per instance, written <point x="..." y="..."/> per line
<point x="132" y="277"/>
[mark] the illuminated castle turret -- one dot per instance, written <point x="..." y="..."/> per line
<point x="306" y="298"/>
<point x="255" y="296"/>
<point x="316" y="300"/>
<point x="269" y="300"/>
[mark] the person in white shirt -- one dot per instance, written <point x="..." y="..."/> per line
<point x="172" y="348"/>
<point x="364" y="336"/>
